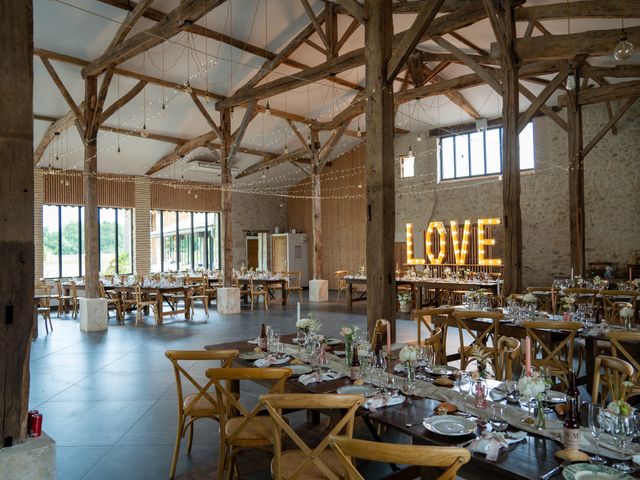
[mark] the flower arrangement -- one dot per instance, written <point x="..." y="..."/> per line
<point x="531" y="386"/>
<point x="482" y="356"/>
<point x="620" y="407"/>
<point x="408" y="353"/>
<point x="308" y="325"/>
<point x="597" y="281"/>
<point x="529" y="298"/>
<point x="347" y="332"/>
<point x="567" y="302"/>
<point x="626" y="312"/>
<point x="404" y="298"/>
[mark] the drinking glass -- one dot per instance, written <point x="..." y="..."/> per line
<point x="596" y="424"/>
<point x="428" y="357"/>
<point x="624" y="429"/>
<point x="497" y="420"/>
<point x="392" y="385"/>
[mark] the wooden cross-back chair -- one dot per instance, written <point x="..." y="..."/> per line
<point x="608" y="383"/>
<point x="626" y="346"/>
<point x="257" y="291"/>
<point x="342" y="282"/>
<point x="555" y="354"/>
<point x="246" y="430"/>
<point x="448" y="459"/>
<point x="583" y="295"/>
<point x="197" y="293"/>
<point x="543" y="298"/>
<point x="294" y="284"/>
<point x="424" y="318"/>
<point x="478" y="337"/>
<point x="42" y="306"/>
<point x="115" y="302"/>
<point x="435" y="342"/>
<point x="615" y="300"/>
<point x="200" y="404"/>
<point x="71" y="298"/>
<point x="306" y="462"/>
<point x="508" y="355"/>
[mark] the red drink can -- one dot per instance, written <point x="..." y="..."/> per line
<point x="35" y="423"/>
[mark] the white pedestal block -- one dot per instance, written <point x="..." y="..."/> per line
<point x="35" y="459"/>
<point x="93" y="314"/>
<point x="319" y="290"/>
<point x="228" y="300"/>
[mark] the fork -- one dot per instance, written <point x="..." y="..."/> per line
<point x="555" y="470"/>
<point x="419" y="422"/>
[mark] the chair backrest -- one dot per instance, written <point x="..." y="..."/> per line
<point x="450" y="459"/>
<point x="610" y="301"/>
<point x="58" y="283"/>
<point x="424" y="317"/>
<point x="508" y="355"/>
<point x="222" y="377"/>
<point x="557" y="354"/>
<point x="609" y="383"/>
<point x="379" y="329"/>
<point x="582" y="295"/>
<point x="294" y="279"/>
<point x="225" y="357"/>
<point x="543" y="297"/>
<point x="340" y="274"/>
<point x="343" y="404"/>
<point x="103" y="292"/>
<point x="622" y="342"/>
<point x="73" y="289"/>
<point x="435" y="342"/>
<point x="44" y="290"/>
<point x="478" y="336"/>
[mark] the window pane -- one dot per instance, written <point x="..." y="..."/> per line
<point x="169" y="241"/>
<point x="213" y="240"/>
<point x="526" y="147"/>
<point x="107" y="241"/>
<point x="155" y="234"/>
<point x="476" y="145"/>
<point x="70" y="242"/>
<point x="185" y="240"/>
<point x="446" y="149"/>
<point x="51" y="248"/>
<point x="493" y="150"/>
<point x="199" y="242"/>
<point x="125" y="249"/>
<point x="462" y="156"/>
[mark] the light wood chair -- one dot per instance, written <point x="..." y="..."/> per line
<point x="478" y="337"/>
<point x="248" y="429"/>
<point x="555" y="354"/>
<point x="583" y="295"/>
<point x="508" y="355"/>
<point x="544" y="296"/>
<point x="140" y="303"/>
<point x="435" y="342"/>
<point x="257" y="291"/>
<point x="608" y="383"/>
<point x="424" y="318"/>
<point x="307" y="462"/>
<point x="342" y="282"/>
<point x="63" y="299"/>
<point x="197" y="293"/>
<point x="294" y="284"/>
<point x="621" y="344"/>
<point x="448" y="459"/>
<point x="612" y="304"/>
<point x="115" y="302"/>
<point x="200" y="404"/>
<point x="211" y="289"/>
<point x="42" y="304"/>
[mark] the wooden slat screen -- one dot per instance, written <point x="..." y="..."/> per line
<point x="67" y="189"/>
<point x="167" y="197"/>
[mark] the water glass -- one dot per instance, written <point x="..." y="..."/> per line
<point x="597" y="424"/>
<point x="497" y="420"/>
<point x="624" y="429"/>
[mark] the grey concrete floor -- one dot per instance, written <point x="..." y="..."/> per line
<point x="109" y="399"/>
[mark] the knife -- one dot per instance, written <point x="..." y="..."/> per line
<point x="554" y="470"/>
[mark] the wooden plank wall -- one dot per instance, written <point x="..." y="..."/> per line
<point x="343" y="219"/>
<point x="167" y="197"/>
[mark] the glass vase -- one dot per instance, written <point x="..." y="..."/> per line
<point x="541" y="420"/>
<point x="348" y="353"/>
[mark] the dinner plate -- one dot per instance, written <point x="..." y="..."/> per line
<point x="333" y="341"/>
<point x="299" y="369"/>
<point x="252" y="355"/>
<point x="556" y="397"/>
<point x="442" y="370"/>
<point x="277" y="361"/>
<point x="497" y="395"/>
<point x="450" y="425"/>
<point x="366" y="390"/>
<point x="591" y="471"/>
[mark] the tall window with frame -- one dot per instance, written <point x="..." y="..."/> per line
<point x="478" y="154"/>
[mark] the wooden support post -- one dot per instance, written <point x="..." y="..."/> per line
<point x="90" y="187"/>
<point x="227" y="223"/>
<point x="331" y="23"/>
<point x="511" y="160"/>
<point x="16" y="215"/>
<point x="576" y="181"/>
<point x="316" y="206"/>
<point x="381" y="291"/>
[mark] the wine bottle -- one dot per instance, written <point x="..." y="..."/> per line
<point x="355" y="365"/>
<point x="378" y="360"/>
<point x="263" y="338"/>
<point x="573" y="394"/>
<point x="571" y="426"/>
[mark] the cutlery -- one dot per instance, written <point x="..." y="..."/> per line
<point x="468" y="442"/>
<point x="555" y="470"/>
<point x="409" y="425"/>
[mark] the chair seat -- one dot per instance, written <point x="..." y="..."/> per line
<point x="291" y="460"/>
<point x="251" y="434"/>
<point x="202" y="408"/>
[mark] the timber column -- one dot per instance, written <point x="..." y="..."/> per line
<point x="318" y="288"/>
<point x="381" y="282"/>
<point x="228" y="297"/>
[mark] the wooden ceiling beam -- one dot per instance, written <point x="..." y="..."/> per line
<point x="185" y="14"/>
<point x="469" y="43"/>
<point x="316" y="22"/>
<point x="203" y="111"/>
<point x="541" y="100"/>
<point x="608" y="126"/>
<point x="455" y="96"/>
<point x="59" y="125"/>
<point x="605" y="93"/>
<point x="236" y="138"/>
<point x="351" y="29"/>
<point x="73" y="106"/>
<point x="122" y="101"/>
<point x="581" y="9"/>
<point x="355" y="9"/>
<point x="130" y="20"/>
<point x="181" y="150"/>
<point x="299" y="136"/>
<point x="548" y="111"/>
<point x="295" y="155"/>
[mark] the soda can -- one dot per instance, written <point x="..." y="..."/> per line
<point x="35" y="423"/>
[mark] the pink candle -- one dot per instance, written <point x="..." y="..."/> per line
<point x="388" y="342"/>
<point x="527" y="356"/>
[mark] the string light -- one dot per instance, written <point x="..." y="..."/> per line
<point x="624" y="48"/>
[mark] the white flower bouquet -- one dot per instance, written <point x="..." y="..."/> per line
<point x="348" y="331"/>
<point x="531" y="386"/>
<point x="529" y="298"/>
<point x="408" y="353"/>
<point x="567" y="302"/>
<point x="308" y="325"/>
<point x="626" y="312"/>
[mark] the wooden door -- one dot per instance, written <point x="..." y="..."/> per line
<point x="279" y="254"/>
<point x="252" y="253"/>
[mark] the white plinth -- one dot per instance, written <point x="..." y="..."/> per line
<point x="93" y="314"/>
<point x="228" y="300"/>
<point x="35" y="459"/>
<point x="318" y="290"/>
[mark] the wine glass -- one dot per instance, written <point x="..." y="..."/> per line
<point x="597" y="426"/>
<point x="497" y="420"/>
<point x="624" y="429"/>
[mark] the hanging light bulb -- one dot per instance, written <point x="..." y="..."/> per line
<point x="281" y="204"/>
<point x="571" y="79"/>
<point x="309" y="138"/>
<point x="163" y="109"/>
<point x="144" y="133"/>
<point x="264" y="176"/>
<point x="206" y="97"/>
<point x="359" y="132"/>
<point x="187" y="88"/>
<point x="418" y="138"/>
<point x="267" y="109"/>
<point x="624" y="48"/>
<point x="118" y="152"/>
<point x="286" y="149"/>
<point x="410" y="154"/>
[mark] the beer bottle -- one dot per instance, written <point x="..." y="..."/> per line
<point x="263" y="338"/>
<point x="355" y="365"/>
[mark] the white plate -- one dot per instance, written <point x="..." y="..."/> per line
<point x="590" y="471"/>
<point x="443" y="370"/>
<point x="366" y="390"/>
<point x="252" y="355"/>
<point x="278" y="361"/>
<point x="333" y="341"/>
<point x="450" y="425"/>
<point x="299" y="369"/>
<point x="556" y="397"/>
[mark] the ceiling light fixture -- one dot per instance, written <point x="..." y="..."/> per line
<point x="418" y="138"/>
<point x="624" y="48"/>
<point x="571" y="79"/>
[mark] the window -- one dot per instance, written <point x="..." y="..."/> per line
<point x="63" y="243"/>
<point x="478" y="154"/>
<point x="184" y="241"/>
<point x="406" y="166"/>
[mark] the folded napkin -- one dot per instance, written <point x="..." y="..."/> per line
<point x="380" y="400"/>
<point x="316" y="377"/>
<point x="254" y="342"/>
<point x="398" y="368"/>
<point x="270" y="360"/>
<point x="598" y="330"/>
<point x="490" y="443"/>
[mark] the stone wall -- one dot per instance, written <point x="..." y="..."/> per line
<point x="612" y="204"/>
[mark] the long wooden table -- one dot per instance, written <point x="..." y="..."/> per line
<point x="525" y="460"/>
<point x="269" y="284"/>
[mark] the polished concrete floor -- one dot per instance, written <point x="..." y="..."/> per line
<point x="109" y="399"/>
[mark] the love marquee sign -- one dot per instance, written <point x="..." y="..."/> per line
<point x="460" y="246"/>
